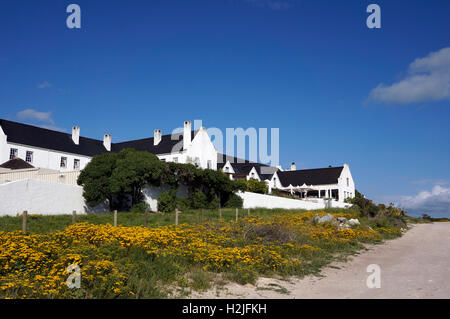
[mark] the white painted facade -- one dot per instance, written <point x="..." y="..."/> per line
<point x="200" y="151"/>
<point x="345" y="186"/>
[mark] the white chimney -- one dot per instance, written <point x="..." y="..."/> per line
<point x="107" y="142"/>
<point x="187" y="134"/>
<point x="156" y="137"/>
<point x="76" y="135"/>
<point x="293" y="166"/>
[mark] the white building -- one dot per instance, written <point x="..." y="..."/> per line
<point x="64" y="152"/>
<point x="60" y="156"/>
<point x="334" y="183"/>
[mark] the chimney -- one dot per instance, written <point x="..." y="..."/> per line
<point x="156" y="137"/>
<point x="76" y="135"/>
<point x="186" y="134"/>
<point x="107" y="142"/>
<point x="293" y="166"/>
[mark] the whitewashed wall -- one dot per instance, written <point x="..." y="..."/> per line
<point x="202" y="147"/>
<point x="42" y="197"/>
<point x="254" y="200"/>
<point x="44" y="158"/>
<point x="151" y="194"/>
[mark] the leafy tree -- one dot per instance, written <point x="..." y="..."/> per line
<point x="134" y="169"/>
<point x="95" y="179"/>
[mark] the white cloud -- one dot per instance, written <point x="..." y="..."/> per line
<point x="428" y="202"/>
<point x="44" y="85"/>
<point x="428" y="80"/>
<point x="53" y="128"/>
<point x="33" y="115"/>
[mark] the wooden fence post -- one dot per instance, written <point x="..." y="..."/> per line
<point x="115" y="218"/>
<point x="176" y="216"/>
<point x="24" y="221"/>
<point x="220" y="213"/>
<point x="237" y="214"/>
<point x="248" y="212"/>
<point x="146" y="218"/>
<point x="74" y="217"/>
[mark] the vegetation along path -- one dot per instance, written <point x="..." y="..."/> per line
<point x="416" y="265"/>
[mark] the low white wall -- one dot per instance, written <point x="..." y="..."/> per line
<point x="42" y="197"/>
<point x="254" y="200"/>
<point x="151" y="194"/>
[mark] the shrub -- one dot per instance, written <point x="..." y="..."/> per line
<point x="139" y="207"/>
<point x="198" y="200"/>
<point x="234" y="201"/>
<point x="256" y="186"/>
<point x="182" y="203"/>
<point x="214" y="204"/>
<point x="167" y="201"/>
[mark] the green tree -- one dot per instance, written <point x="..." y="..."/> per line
<point x="134" y="169"/>
<point x="96" y="179"/>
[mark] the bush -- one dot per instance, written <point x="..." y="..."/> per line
<point x="198" y="200"/>
<point x="182" y="203"/>
<point x="167" y="201"/>
<point x="255" y="186"/>
<point x="214" y="204"/>
<point x="139" y="207"/>
<point x="234" y="201"/>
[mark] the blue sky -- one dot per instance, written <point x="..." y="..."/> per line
<point x="338" y="91"/>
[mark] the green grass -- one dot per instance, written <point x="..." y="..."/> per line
<point x="44" y="224"/>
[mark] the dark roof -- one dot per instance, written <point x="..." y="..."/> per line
<point x="40" y="137"/>
<point x="44" y="138"/>
<point x="242" y="166"/>
<point x="169" y="143"/>
<point x="16" y="163"/>
<point x="317" y="176"/>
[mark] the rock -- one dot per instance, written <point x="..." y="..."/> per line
<point x="354" y="222"/>
<point x="344" y="226"/>
<point x="342" y="220"/>
<point x="316" y="218"/>
<point x="327" y="219"/>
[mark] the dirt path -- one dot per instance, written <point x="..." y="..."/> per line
<point x="417" y="265"/>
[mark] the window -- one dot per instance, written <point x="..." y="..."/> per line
<point x="163" y="159"/>
<point x="209" y="164"/>
<point x="76" y="164"/>
<point x="63" y="162"/>
<point x="348" y="182"/>
<point x="14" y="152"/>
<point x="29" y="157"/>
<point x="175" y="159"/>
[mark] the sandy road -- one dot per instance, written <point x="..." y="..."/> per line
<point x="417" y="265"/>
